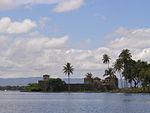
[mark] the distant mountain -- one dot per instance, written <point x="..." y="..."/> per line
<point x="26" y="81"/>
<point x="18" y="81"/>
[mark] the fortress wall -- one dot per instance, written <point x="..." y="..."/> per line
<point x="81" y="87"/>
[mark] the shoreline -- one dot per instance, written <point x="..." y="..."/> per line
<point x="134" y="90"/>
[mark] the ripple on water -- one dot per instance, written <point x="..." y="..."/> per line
<point x="27" y="102"/>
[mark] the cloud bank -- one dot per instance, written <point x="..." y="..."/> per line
<point x="25" y="57"/>
<point x="61" y="5"/>
<point x="36" y="54"/>
<point x="9" y="27"/>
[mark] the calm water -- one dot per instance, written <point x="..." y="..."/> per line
<point x="25" y="102"/>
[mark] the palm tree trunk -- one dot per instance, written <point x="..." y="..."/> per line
<point x="121" y="80"/>
<point x="68" y="83"/>
<point x="124" y="83"/>
<point x="130" y="84"/>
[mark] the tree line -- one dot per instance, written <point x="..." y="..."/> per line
<point x="134" y="73"/>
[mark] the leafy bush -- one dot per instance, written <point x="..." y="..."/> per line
<point x="55" y="85"/>
<point x="32" y="87"/>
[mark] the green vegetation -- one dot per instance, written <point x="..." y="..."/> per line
<point x="135" y="73"/>
<point x="12" y="88"/>
<point x="55" y="85"/>
<point x="68" y="69"/>
<point x="109" y="72"/>
<point x="106" y="59"/>
<point x="32" y="87"/>
<point x="51" y="85"/>
<point x="118" y="66"/>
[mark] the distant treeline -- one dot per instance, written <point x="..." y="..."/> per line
<point x="12" y="88"/>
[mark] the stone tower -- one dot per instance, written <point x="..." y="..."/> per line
<point x="45" y="77"/>
<point x="88" y="79"/>
<point x="96" y="80"/>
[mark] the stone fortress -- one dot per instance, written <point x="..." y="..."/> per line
<point x="90" y="84"/>
<point x="109" y="83"/>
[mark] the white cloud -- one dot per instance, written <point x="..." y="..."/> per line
<point x="11" y="4"/>
<point x="37" y="1"/>
<point x="27" y="57"/>
<point x="34" y="34"/>
<point x="121" y="31"/>
<point x="62" y="5"/>
<point x="9" y="27"/>
<point x="7" y="4"/>
<point x="29" y="3"/>
<point x="137" y="38"/>
<point x="68" y="5"/>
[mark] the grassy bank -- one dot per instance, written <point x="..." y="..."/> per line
<point x="131" y="90"/>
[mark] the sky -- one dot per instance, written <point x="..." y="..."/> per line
<point x="39" y="36"/>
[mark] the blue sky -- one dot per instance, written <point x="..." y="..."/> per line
<point x="84" y="28"/>
<point x="93" y="20"/>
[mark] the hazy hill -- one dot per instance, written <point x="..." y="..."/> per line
<point x="25" y="81"/>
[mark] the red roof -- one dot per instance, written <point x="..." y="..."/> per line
<point x="97" y="78"/>
<point x="109" y="77"/>
<point x="45" y="75"/>
<point x="89" y="76"/>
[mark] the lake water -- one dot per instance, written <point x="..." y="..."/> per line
<point x="26" y="102"/>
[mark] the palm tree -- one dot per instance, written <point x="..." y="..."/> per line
<point x="118" y="68"/>
<point x="68" y="70"/>
<point x="106" y="59"/>
<point x="140" y="65"/>
<point x="110" y="72"/>
<point x="125" y="57"/>
<point x="89" y="74"/>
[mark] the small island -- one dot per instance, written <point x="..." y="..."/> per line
<point x="131" y="73"/>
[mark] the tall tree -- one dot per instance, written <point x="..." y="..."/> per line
<point x="118" y="66"/>
<point x="68" y="70"/>
<point x="125" y="57"/>
<point x="106" y="59"/>
<point x="145" y="78"/>
<point x="130" y="71"/>
<point x="144" y="75"/>
<point x="110" y="72"/>
<point x="139" y="65"/>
